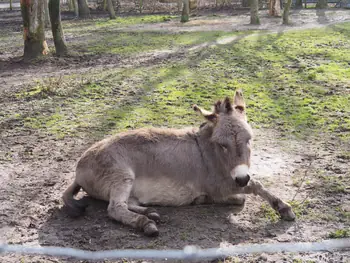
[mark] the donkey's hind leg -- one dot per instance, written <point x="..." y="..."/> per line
<point x="151" y="213"/>
<point x="118" y="207"/>
<point x="235" y="201"/>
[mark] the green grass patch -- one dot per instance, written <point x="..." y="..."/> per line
<point x="340" y="233"/>
<point x="334" y="184"/>
<point x="342" y="214"/>
<point x="296" y="82"/>
<point x="300" y="208"/>
<point x="269" y="214"/>
<point x="138" y="42"/>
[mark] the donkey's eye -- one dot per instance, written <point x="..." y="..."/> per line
<point x="223" y="147"/>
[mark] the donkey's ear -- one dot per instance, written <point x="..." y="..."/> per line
<point x="228" y="105"/>
<point x="238" y="101"/>
<point x="223" y="107"/>
<point x="210" y="116"/>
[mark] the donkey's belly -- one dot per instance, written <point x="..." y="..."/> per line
<point x="163" y="191"/>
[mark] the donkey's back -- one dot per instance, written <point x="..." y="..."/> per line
<point x="159" y="162"/>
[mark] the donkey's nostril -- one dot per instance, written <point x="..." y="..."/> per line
<point x="242" y="180"/>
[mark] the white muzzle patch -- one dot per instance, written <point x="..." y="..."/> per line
<point x="241" y="171"/>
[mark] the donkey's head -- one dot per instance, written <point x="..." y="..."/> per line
<point x="231" y="134"/>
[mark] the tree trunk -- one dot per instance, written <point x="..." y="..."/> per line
<point x="322" y="4"/>
<point x="245" y="3"/>
<point x="179" y="4"/>
<point x="84" y="11"/>
<point x="274" y="8"/>
<point x="57" y="32"/>
<point x="76" y="8"/>
<point x="140" y="6"/>
<point x="286" y="12"/>
<point x="299" y="4"/>
<point x="254" y="12"/>
<point x="11" y="5"/>
<point x="192" y="4"/>
<point x="47" y="14"/>
<point x="185" y="11"/>
<point x="110" y="9"/>
<point x="71" y="5"/>
<point x="104" y="5"/>
<point x="33" y="29"/>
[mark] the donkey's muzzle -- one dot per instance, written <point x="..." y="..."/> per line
<point x="242" y="180"/>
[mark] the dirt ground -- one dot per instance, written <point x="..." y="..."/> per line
<point x="41" y="167"/>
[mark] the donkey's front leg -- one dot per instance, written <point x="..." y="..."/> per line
<point x="284" y="209"/>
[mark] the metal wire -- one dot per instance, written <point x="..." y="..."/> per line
<point x="188" y="253"/>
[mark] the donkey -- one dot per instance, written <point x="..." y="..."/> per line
<point x="172" y="167"/>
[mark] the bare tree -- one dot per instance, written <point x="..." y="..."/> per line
<point x="140" y="6"/>
<point x="76" y="7"/>
<point x="286" y="12"/>
<point x="84" y="11"/>
<point x="57" y="32"/>
<point x="185" y="11"/>
<point x="179" y="4"/>
<point x="254" y="12"/>
<point x="33" y="29"/>
<point x="70" y="5"/>
<point x="299" y="4"/>
<point x="192" y="4"/>
<point x="322" y="4"/>
<point x="47" y="14"/>
<point x="110" y="9"/>
<point x="245" y="3"/>
<point x="274" y="8"/>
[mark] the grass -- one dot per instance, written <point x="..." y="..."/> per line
<point x="340" y="233"/>
<point x="184" y="236"/>
<point x="102" y="24"/>
<point x="138" y="42"/>
<point x="296" y="82"/>
<point x="299" y="208"/>
<point x="334" y="184"/>
<point x="269" y="214"/>
<point x="342" y="214"/>
<point x="298" y="260"/>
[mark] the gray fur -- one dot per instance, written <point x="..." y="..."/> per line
<point x="172" y="167"/>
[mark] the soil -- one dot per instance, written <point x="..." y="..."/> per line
<point x="41" y="167"/>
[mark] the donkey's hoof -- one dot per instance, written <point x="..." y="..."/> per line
<point x="151" y="230"/>
<point x="287" y="213"/>
<point x="154" y="216"/>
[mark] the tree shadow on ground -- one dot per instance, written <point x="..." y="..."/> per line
<point x="322" y="16"/>
<point x="122" y="105"/>
<point x="116" y="48"/>
<point x="341" y="29"/>
<point x="205" y="226"/>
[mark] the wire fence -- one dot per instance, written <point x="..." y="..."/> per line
<point x="188" y="253"/>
